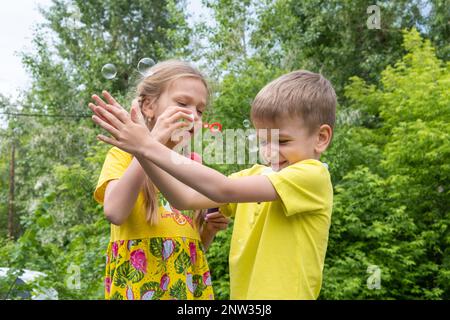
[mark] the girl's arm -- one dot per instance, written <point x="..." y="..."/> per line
<point x="121" y="194"/>
<point x="135" y="138"/>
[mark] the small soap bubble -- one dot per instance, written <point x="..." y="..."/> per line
<point x="254" y="149"/>
<point x="440" y="189"/>
<point x="144" y="65"/>
<point x="109" y="71"/>
<point x="246" y="123"/>
<point x="252" y="137"/>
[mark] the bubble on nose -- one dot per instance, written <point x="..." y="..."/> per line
<point x="109" y="71"/>
<point x="144" y="66"/>
<point x="246" y="123"/>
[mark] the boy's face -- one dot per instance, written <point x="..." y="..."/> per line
<point x="296" y="142"/>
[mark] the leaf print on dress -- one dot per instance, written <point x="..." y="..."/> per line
<point x="116" y="296"/>
<point x="126" y="272"/>
<point x="151" y="291"/>
<point x="156" y="247"/>
<point x="178" y="290"/>
<point x="182" y="262"/>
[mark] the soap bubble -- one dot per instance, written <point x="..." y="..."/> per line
<point x="109" y="71"/>
<point x="246" y="123"/>
<point x="144" y="65"/>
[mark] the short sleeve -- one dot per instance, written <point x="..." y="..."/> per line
<point x="116" y="162"/>
<point x="229" y="209"/>
<point x="304" y="187"/>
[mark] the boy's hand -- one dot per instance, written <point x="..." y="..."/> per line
<point x="128" y="130"/>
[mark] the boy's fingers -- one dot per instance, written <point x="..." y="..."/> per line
<point x="106" y="126"/>
<point x="108" y="140"/>
<point x="110" y="118"/>
<point x="99" y="101"/>
<point x="93" y="107"/>
<point x="120" y="114"/>
<point x="110" y="99"/>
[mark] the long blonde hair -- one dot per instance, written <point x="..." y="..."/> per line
<point x="151" y="87"/>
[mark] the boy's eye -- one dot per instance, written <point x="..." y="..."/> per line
<point x="283" y="141"/>
<point x="199" y="112"/>
<point x="182" y="104"/>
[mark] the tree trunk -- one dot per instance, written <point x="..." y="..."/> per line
<point x="11" y="193"/>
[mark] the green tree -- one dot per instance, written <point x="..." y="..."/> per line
<point x="394" y="212"/>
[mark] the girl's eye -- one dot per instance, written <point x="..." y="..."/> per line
<point x="200" y="113"/>
<point x="283" y="142"/>
<point x="182" y="104"/>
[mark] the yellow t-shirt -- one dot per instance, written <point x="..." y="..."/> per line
<point x="278" y="248"/>
<point x="172" y="223"/>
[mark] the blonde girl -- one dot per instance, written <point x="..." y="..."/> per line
<point x="155" y="251"/>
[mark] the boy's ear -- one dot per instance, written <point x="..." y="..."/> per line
<point x="324" y="138"/>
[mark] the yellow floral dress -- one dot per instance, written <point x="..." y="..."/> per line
<point x="149" y="262"/>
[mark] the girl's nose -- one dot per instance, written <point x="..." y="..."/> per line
<point x="195" y="113"/>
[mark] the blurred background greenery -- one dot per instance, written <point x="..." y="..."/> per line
<point x="389" y="159"/>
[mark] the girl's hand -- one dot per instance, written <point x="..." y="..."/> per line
<point x="169" y="121"/>
<point x="128" y="130"/>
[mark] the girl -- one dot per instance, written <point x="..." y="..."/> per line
<point x="155" y="250"/>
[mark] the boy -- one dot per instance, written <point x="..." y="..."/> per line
<point x="282" y="218"/>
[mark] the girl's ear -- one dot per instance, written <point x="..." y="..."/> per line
<point x="147" y="108"/>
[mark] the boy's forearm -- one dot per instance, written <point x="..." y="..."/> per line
<point x="173" y="190"/>
<point x="205" y="180"/>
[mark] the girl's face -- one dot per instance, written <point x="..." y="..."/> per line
<point x="185" y="92"/>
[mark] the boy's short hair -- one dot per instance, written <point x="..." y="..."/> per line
<point x="302" y="93"/>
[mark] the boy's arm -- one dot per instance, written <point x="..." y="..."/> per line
<point x="201" y="178"/>
<point x="133" y="137"/>
<point x="178" y="194"/>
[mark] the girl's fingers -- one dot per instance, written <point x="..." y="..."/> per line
<point x="180" y="115"/>
<point x="106" y="126"/>
<point x="178" y="125"/>
<point x="170" y="111"/>
<point x="110" y="99"/>
<point x="108" y="140"/>
<point x="215" y="215"/>
<point x="110" y="117"/>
